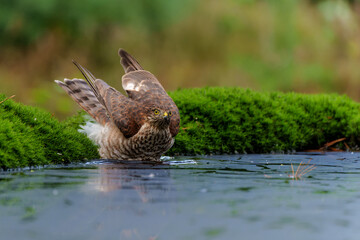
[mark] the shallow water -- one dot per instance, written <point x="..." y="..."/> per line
<point x="215" y="197"/>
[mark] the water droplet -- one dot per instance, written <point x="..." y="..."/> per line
<point x="203" y="190"/>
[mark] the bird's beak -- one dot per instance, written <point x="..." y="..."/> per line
<point x="166" y="116"/>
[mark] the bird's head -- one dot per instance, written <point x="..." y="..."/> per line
<point x="159" y="117"/>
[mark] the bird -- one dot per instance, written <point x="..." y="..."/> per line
<point x="140" y="126"/>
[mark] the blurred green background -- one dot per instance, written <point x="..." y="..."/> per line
<point x="287" y="45"/>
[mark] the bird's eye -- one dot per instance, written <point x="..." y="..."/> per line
<point x="156" y="112"/>
<point x="170" y="113"/>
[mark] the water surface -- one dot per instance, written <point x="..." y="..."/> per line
<point x="212" y="197"/>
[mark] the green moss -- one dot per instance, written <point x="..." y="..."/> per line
<point x="213" y="120"/>
<point x="228" y="120"/>
<point x="77" y="120"/>
<point x="30" y="136"/>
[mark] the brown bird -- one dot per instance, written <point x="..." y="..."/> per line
<point x="140" y="126"/>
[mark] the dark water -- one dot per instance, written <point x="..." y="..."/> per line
<point x="217" y="197"/>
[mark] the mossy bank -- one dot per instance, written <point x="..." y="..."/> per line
<point x="231" y="120"/>
<point x="213" y="120"/>
<point x="30" y="137"/>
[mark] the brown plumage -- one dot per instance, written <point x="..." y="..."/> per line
<point x="141" y="126"/>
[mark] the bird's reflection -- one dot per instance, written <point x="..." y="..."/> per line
<point x="145" y="178"/>
<point x="127" y="195"/>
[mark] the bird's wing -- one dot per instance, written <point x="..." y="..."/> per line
<point x="136" y="81"/>
<point x="120" y="109"/>
<point x="128" y="62"/>
<point x="124" y="112"/>
<point x="142" y="86"/>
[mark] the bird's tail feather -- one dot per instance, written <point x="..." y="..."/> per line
<point x="81" y="92"/>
